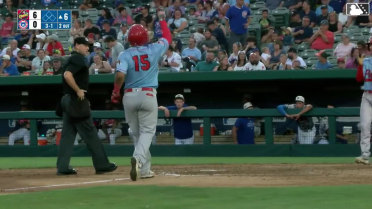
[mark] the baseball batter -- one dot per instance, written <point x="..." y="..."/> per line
<point x="364" y="74"/>
<point x="138" y="67"/>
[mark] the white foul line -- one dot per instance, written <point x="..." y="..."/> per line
<point x="63" y="185"/>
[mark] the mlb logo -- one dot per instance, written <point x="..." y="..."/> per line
<point x="357" y="9"/>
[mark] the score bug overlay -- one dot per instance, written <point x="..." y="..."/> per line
<point x="44" y="19"/>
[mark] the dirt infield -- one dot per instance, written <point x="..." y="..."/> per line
<point x="241" y="175"/>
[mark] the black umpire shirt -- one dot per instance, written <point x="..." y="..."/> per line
<point x="77" y="65"/>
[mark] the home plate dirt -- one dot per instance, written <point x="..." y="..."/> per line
<point x="241" y="175"/>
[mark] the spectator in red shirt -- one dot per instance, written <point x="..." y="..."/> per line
<point x="7" y="29"/>
<point x="323" y="38"/>
<point x="53" y="45"/>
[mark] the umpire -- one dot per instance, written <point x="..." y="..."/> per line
<point x="76" y="114"/>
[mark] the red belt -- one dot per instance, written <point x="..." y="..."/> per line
<point x="142" y="89"/>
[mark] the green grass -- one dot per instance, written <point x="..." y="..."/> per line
<point x="50" y="162"/>
<point x="144" y="197"/>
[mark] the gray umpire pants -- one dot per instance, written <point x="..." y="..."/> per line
<point x="141" y="114"/>
<point x="88" y="133"/>
<point x="365" y="124"/>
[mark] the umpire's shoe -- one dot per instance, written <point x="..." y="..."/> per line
<point x="134" y="171"/>
<point x="70" y="171"/>
<point x="110" y="168"/>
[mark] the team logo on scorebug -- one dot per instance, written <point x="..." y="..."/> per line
<point x="23" y="24"/>
<point x="23" y="14"/>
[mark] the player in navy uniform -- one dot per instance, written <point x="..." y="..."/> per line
<point x="243" y="129"/>
<point x="138" y="67"/>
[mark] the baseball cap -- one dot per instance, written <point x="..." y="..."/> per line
<point x="97" y="44"/>
<point x="91" y="35"/>
<point x="322" y="53"/>
<point x="41" y="36"/>
<point x="5" y="57"/>
<point x="26" y="46"/>
<point x="81" y="40"/>
<point x="300" y="99"/>
<point x="324" y="22"/>
<point x="247" y="105"/>
<point x="53" y="37"/>
<point x="179" y="96"/>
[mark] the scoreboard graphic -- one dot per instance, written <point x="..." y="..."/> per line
<point x="44" y="19"/>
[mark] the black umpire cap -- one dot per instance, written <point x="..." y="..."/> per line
<point x="81" y="40"/>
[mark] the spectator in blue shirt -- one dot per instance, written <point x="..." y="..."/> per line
<point x="105" y="16"/>
<point x="7" y="68"/>
<point x="306" y="11"/>
<point x="183" y="132"/>
<point x="318" y="10"/>
<point x="323" y="16"/>
<point x="304" y="32"/>
<point x="322" y="63"/>
<point x="243" y="130"/>
<point x="191" y="55"/>
<point x="238" y="20"/>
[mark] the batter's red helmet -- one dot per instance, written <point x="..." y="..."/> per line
<point x="137" y="35"/>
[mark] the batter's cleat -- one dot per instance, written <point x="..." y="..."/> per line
<point x="150" y="174"/>
<point x="110" y="168"/>
<point x="134" y="171"/>
<point x="70" y="171"/>
<point x="361" y="160"/>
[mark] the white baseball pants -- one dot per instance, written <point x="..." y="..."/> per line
<point x="22" y="133"/>
<point x="365" y="124"/>
<point x="184" y="141"/>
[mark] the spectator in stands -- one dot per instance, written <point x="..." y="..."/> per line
<point x="345" y="19"/>
<point x="367" y="23"/>
<point x="76" y="31"/>
<point x="354" y="60"/>
<point x="57" y="66"/>
<point x="276" y="54"/>
<point x="208" y="65"/>
<point x="323" y="16"/>
<point x="90" y="28"/>
<point x="144" y="15"/>
<point x="105" y="16"/>
<point x="56" y="53"/>
<point x="115" y="47"/>
<point x="238" y="20"/>
<point x="304" y="32"/>
<point x="87" y="4"/>
<point x="13" y="46"/>
<point x="199" y="36"/>
<point x="24" y="59"/>
<point x="7" y="29"/>
<point x="123" y="17"/>
<point x="23" y="38"/>
<point x="107" y="30"/>
<point x="123" y="35"/>
<point x="177" y="5"/>
<point x="13" y="59"/>
<point x="323" y="38"/>
<point x="53" y="45"/>
<point x="282" y="65"/>
<point x="291" y="4"/>
<point x="219" y="24"/>
<point x="243" y="129"/>
<point x="177" y="45"/>
<point x="237" y="46"/>
<point x="239" y="64"/>
<point x="177" y="23"/>
<point x="251" y="46"/>
<point x="254" y="63"/>
<point x="47" y="69"/>
<point x="272" y="4"/>
<point x="265" y="22"/>
<point x="270" y="37"/>
<point x="191" y="55"/>
<point x="182" y="127"/>
<point x="324" y="3"/>
<point x="296" y="65"/>
<point x="7" y="68"/>
<point x="295" y="20"/>
<point x="209" y="13"/>
<point x="99" y="66"/>
<point x="292" y="55"/>
<point x="344" y="48"/>
<point x="38" y="61"/>
<point x="224" y="65"/>
<point x="41" y="41"/>
<point x="220" y="54"/>
<point x="221" y="6"/>
<point x="306" y="11"/>
<point x="322" y="63"/>
<point x="266" y="56"/>
<point x="210" y="43"/>
<point x="337" y="5"/>
<point x="363" y="48"/>
<point x="341" y="63"/>
<point x="218" y="34"/>
<point x="200" y="9"/>
<point x="233" y="2"/>
<point x="306" y="129"/>
<point x="172" y="60"/>
<point x="9" y="8"/>
<point x="91" y="41"/>
<point x="333" y="24"/>
<point x="74" y="15"/>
